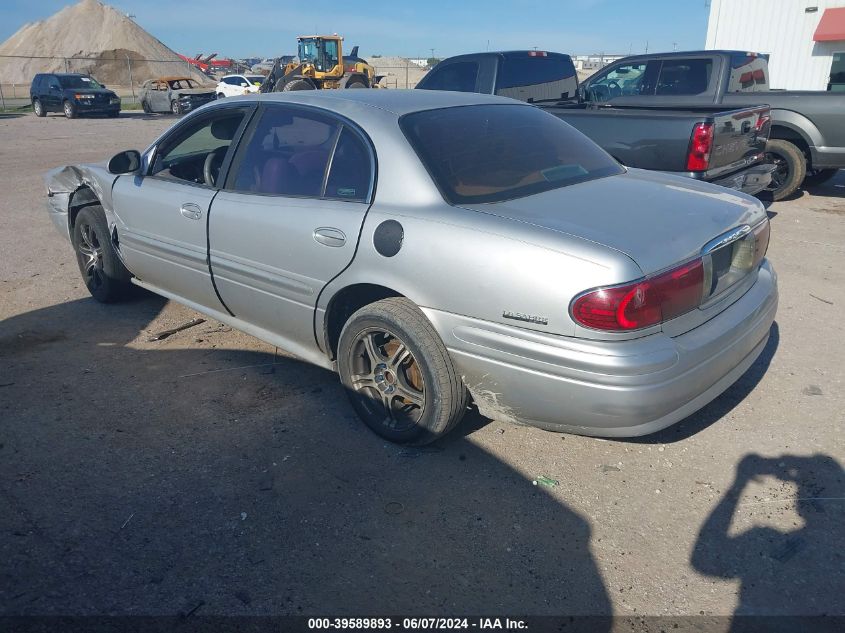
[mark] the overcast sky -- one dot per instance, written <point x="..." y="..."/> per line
<point x="267" y="28"/>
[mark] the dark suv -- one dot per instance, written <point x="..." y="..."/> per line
<point x="73" y="94"/>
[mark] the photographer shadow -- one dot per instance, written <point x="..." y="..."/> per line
<point x="787" y="573"/>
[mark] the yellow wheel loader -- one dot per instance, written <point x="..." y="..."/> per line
<point x="321" y="66"/>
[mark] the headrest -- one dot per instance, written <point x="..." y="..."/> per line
<point x="224" y="129"/>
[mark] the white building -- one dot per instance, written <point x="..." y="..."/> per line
<point x="805" y="39"/>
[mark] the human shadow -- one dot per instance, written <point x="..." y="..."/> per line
<point x="785" y="573"/>
<point x="204" y="474"/>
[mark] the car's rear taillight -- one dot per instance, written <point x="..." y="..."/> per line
<point x="761" y="241"/>
<point x="642" y="303"/>
<point x="700" y="146"/>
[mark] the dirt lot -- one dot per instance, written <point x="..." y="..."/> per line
<point x="206" y="472"/>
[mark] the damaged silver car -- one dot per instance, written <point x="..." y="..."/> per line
<point x="176" y="95"/>
<point x="433" y="247"/>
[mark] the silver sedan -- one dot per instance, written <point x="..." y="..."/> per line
<point x="437" y="247"/>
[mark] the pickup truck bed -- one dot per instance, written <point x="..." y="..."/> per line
<point x="659" y="139"/>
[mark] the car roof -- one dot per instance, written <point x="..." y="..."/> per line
<point x="398" y="102"/>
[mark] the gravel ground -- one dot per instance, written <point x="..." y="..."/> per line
<point x="206" y="470"/>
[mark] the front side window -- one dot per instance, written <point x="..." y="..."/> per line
<point x="490" y="153"/>
<point x="287" y="153"/>
<point x="196" y="153"/>
<point x="627" y="80"/>
<point x="684" y="77"/>
<point x="458" y="77"/>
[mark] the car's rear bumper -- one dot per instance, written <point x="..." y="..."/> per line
<point x="751" y="180"/>
<point x="608" y="388"/>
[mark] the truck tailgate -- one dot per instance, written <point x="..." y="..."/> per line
<point x="739" y="139"/>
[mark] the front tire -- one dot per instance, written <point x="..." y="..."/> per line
<point x="398" y="374"/>
<point x="146" y="107"/>
<point x="69" y="110"/>
<point x="38" y="108"/>
<point x="298" y="84"/>
<point x="790" y="168"/>
<point x="816" y="177"/>
<point x="175" y="107"/>
<point x="105" y="276"/>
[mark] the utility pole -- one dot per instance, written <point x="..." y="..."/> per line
<point x="646" y="47"/>
<point x="674" y="46"/>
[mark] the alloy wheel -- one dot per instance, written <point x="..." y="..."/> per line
<point x="781" y="172"/>
<point x="90" y="254"/>
<point x="386" y="375"/>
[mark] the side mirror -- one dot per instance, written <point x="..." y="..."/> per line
<point x="127" y="162"/>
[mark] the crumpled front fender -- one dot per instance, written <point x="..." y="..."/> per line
<point x="73" y="185"/>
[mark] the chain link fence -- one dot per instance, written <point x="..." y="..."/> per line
<point x="124" y="75"/>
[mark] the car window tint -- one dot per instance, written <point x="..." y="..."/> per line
<point x="490" y="153"/>
<point x="458" y="77"/>
<point x="534" y="76"/>
<point x="749" y="73"/>
<point x="183" y="156"/>
<point x="684" y="76"/>
<point x="287" y="153"/>
<point x="349" y="176"/>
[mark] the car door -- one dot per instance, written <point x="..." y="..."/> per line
<point x="53" y="94"/>
<point x="162" y="216"/>
<point x="158" y="97"/>
<point x="289" y="217"/>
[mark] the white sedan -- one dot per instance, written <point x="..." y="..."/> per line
<point x="236" y="85"/>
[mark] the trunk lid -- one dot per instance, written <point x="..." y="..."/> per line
<point x="655" y="219"/>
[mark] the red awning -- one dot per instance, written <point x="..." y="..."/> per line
<point x="832" y="26"/>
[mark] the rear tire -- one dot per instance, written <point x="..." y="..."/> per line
<point x="220" y="95"/>
<point x="790" y="168"/>
<point x="38" y="108"/>
<point x="105" y="276"/>
<point x="816" y="177"/>
<point x="398" y="374"/>
<point x="69" y="109"/>
<point x="146" y="107"/>
<point x="297" y="84"/>
<point x="356" y="84"/>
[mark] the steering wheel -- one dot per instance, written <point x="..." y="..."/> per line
<point x="211" y="166"/>
<point x="614" y="89"/>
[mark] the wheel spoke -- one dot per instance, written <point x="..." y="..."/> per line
<point x="363" y="381"/>
<point x="409" y="394"/>
<point x="400" y="355"/>
<point x="372" y="349"/>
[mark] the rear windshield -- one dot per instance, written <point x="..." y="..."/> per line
<point x="536" y="76"/>
<point x="490" y="153"/>
<point x="74" y="83"/>
<point x="749" y="73"/>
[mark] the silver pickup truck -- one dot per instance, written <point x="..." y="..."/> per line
<point x="725" y="146"/>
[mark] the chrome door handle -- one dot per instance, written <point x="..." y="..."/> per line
<point x="191" y="211"/>
<point x="328" y="236"/>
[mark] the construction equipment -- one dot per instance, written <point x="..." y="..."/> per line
<point x="321" y="66"/>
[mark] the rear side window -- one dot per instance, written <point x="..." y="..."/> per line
<point x="684" y="76"/>
<point x="531" y="76"/>
<point x="749" y="73"/>
<point x="458" y="77"/>
<point x="349" y="174"/>
<point x="490" y="153"/>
